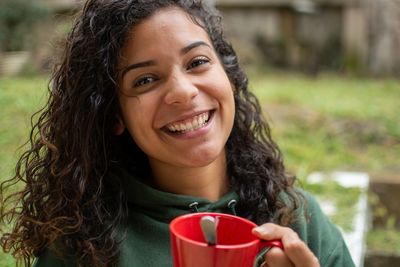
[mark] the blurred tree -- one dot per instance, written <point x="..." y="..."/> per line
<point x="17" y="18"/>
<point x="384" y="35"/>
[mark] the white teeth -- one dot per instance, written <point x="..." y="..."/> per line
<point x="190" y="125"/>
<point x="195" y="123"/>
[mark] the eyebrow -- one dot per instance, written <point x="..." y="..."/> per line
<point x="137" y="65"/>
<point x="148" y="63"/>
<point x="186" y="49"/>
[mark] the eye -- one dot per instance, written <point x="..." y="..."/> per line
<point x="143" y="81"/>
<point x="198" y="61"/>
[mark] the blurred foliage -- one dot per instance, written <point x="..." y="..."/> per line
<point x="332" y="122"/>
<point x="20" y="97"/>
<point x="384" y="237"/>
<point x="344" y="199"/>
<point x="17" y="18"/>
<point x="385" y="240"/>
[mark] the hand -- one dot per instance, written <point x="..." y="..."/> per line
<point x="295" y="254"/>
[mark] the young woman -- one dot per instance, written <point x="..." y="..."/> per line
<point x="149" y="117"/>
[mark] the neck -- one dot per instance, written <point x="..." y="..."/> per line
<point x="210" y="181"/>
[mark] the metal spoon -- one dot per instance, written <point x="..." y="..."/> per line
<point x="208" y="226"/>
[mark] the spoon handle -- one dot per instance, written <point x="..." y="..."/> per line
<point x="208" y="226"/>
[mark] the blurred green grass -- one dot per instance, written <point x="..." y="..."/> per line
<point x="20" y="97"/>
<point x="331" y="122"/>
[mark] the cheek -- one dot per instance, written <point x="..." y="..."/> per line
<point x="139" y="129"/>
<point x="133" y="114"/>
<point x="227" y="88"/>
<point x="227" y="93"/>
<point x="140" y="117"/>
<point x="219" y="87"/>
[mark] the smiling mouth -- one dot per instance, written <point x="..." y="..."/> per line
<point x="191" y="124"/>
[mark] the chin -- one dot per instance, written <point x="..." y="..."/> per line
<point x="202" y="159"/>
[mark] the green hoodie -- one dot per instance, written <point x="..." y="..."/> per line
<point x="146" y="241"/>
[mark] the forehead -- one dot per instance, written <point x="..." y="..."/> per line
<point x="169" y="26"/>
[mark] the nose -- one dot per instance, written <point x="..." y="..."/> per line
<point x="180" y="89"/>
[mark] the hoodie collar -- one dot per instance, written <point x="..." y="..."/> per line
<point x="165" y="206"/>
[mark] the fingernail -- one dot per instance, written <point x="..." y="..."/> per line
<point x="256" y="230"/>
<point x="260" y="230"/>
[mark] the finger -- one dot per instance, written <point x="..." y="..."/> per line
<point x="269" y="231"/>
<point x="297" y="251"/>
<point x="276" y="257"/>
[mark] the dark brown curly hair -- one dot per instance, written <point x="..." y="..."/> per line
<point x="70" y="201"/>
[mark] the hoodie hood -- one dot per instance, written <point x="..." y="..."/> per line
<point x="164" y="206"/>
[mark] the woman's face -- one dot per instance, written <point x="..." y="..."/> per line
<point x="176" y="100"/>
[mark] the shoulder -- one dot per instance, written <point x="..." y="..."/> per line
<point x="319" y="233"/>
<point x="49" y="258"/>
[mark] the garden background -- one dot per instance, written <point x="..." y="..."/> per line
<point x="326" y="116"/>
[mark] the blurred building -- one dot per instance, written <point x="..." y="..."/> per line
<point x="312" y="35"/>
<point x="355" y="35"/>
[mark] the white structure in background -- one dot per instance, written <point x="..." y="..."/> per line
<point x="356" y="238"/>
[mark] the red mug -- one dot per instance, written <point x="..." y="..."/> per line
<point x="236" y="245"/>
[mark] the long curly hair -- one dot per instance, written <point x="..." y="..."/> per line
<point x="71" y="203"/>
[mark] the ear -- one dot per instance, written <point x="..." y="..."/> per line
<point x="119" y="127"/>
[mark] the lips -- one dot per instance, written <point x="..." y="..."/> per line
<point x="192" y="124"/>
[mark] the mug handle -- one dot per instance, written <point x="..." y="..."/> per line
<point x="271" y="244"/>
<point x="265" y="246"/>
